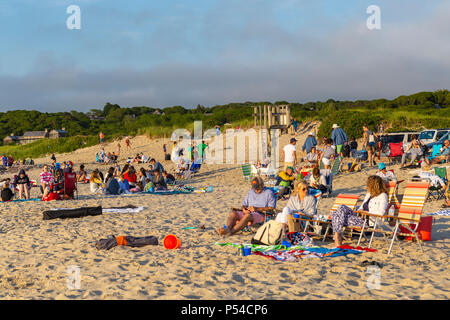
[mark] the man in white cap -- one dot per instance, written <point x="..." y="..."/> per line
<point x="310" y="142"/>
<point x="339" y="138"/>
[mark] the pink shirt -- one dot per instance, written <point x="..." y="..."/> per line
<point x="46" y="177"/>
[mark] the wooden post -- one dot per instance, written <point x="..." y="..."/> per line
<point x="260" y="117"/>
<point x="265" y="117"/>
<point x="255" y="116"/>
<point x="269" y="117"/>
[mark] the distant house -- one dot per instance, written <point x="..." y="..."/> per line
<point x="55" y="134"/>
<point x="31" y="136"/>
<point x="11" y="139"/>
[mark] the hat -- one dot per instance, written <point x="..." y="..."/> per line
<point x="290" y="168"/>
<point x="257" y="183"/>
<point x="311" y="133"/>
<point x="293" y="140"/>
<point x="381" y="166"/>
<point x="335" y="126"/>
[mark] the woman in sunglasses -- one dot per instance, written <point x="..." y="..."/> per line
<point x="300" y="202"/>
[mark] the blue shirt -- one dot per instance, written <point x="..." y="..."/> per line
<point x="309" y="143"/>
<point x="261" y="200"/>
<point x="339" y="136"/>
<point x="158" y="167"/>
<point x="124" y="185"/>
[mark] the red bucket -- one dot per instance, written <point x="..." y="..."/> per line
<point x="171" y="242"/>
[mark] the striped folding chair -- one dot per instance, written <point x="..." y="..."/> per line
<point x="349" y="200"/>
<point x="408" y="217"/>
<point x="247" y="172"/>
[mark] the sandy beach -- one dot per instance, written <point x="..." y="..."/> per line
<point x="36" y="253"/>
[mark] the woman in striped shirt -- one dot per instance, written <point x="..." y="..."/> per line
<point x="46" y="179"/>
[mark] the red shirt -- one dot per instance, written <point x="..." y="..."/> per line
<point x="130" y="178"/>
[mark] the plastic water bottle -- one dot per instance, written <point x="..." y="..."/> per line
<point x="391" y="210"/>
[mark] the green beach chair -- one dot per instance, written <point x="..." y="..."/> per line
<point x="247" y="172"/>
<point x="336" y="167"/>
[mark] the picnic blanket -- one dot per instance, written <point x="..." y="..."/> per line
<point x="112" y="241"/>
<point x="315" y="252"/>
<point x="444" y="212"/>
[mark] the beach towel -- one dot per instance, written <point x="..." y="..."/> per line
<point x="445" y="212"/>
<point x="71" y="213"/>
<point x="264" y="248"/>
<point x="125" y="209"/>
<point x="295" y="254"/>
<point x="130" y="241"/>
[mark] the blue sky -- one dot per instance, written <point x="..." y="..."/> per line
<point x="164" y="53"/>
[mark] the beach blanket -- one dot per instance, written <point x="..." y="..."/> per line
<point x="296" y="254"/>
<point x="262" y="248"/>
<point x="125" y="209"/>
<point x="444" y="212"/>
<point x="130" y="241"/>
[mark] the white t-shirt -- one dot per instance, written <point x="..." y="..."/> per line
<point x="289" y="150"/>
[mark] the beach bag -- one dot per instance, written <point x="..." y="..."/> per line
<point x="113" y="187"/>
<point x="270" y="233"/>
<point x="167" y="157"/>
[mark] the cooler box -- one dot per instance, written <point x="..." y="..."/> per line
<point x="423" y="231"/>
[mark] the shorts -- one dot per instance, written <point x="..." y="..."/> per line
<point x="339" y="148"/>
<point x="257" y="217"/>
<point x="371" y="147"/>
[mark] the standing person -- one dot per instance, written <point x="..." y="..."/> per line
<point x="201" y="149"/>
<point x="22" y="182"/>
<point x="339" y="138"/>
<point x="127" y="143"/>
<point x="310" y="142"/>
<point x="53" y="157"/>
<point x="326" y="153"/>
<point x="102" y="137"/>
<point x="369" y="143"/>
<point x="295" y="125"/>
<point x="289" y="154"/>
<point x="118" y="149"/>
<point x="164" y="149"/>
<point x="217" y="130"/>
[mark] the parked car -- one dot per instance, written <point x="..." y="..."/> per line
<point x="396" y="137"/>
<point x="432" y="135"/>
<point x="440" y="141"/>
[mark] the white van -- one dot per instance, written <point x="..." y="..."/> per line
<point x="396" y="137"/>
<point x="432" y="135"/>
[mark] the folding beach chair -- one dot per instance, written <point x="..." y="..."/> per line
<point x="349" y="200"/>
<point x="441" y="172"/>
<point x="408" y="217"/>
<point x="395" y="151"/>
<point x="70" y="185"/>
<point x="336" y="168"/>
<point x="247" y="172"/>
<point x="195" y="168"/>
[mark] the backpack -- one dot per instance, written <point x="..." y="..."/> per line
<point x="346" y="151"/>
<point x="270" y="233"/>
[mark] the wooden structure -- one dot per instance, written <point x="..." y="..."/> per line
<point x="272" y="117"/>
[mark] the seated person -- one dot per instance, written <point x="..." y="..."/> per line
<point x="22" y="182"/>
<point x="318" y="181"/>
<point x="182" y="166"/>
<point x="124" y="185"/>
<point x="444" y="154"/>
<point x="156" y="166"/>
<point x="149" y="186"/>
<point x="58" y="182"/>
<point x="131" y="176"/>
<point x="414" y="151"/>
<point x="137" y="159"/>
<point x="312" y="158"/>
<point x="375" y="202"/>
<point x="138" y="188"/>
<point x="96" y="182"/>
<point x="117" y="171"/>
<point x="158" y="181"/>
<point x="82" y="174"/>
<point x="6" y="192"/>
<point x="285" y="180"/>
<point x="300" y="202"/>
<point x="144" y="158"/>
<point x="46" y="179"/>
<point x="142" y="176"/>
<point x="258" y="199"/>
<point x="168" y="178"/>
<point x="384" y="174"/>
<point x="111" y="183"/>
<point x="327" y="153"/>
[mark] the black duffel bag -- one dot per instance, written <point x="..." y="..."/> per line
<point x="72" y="213"/>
